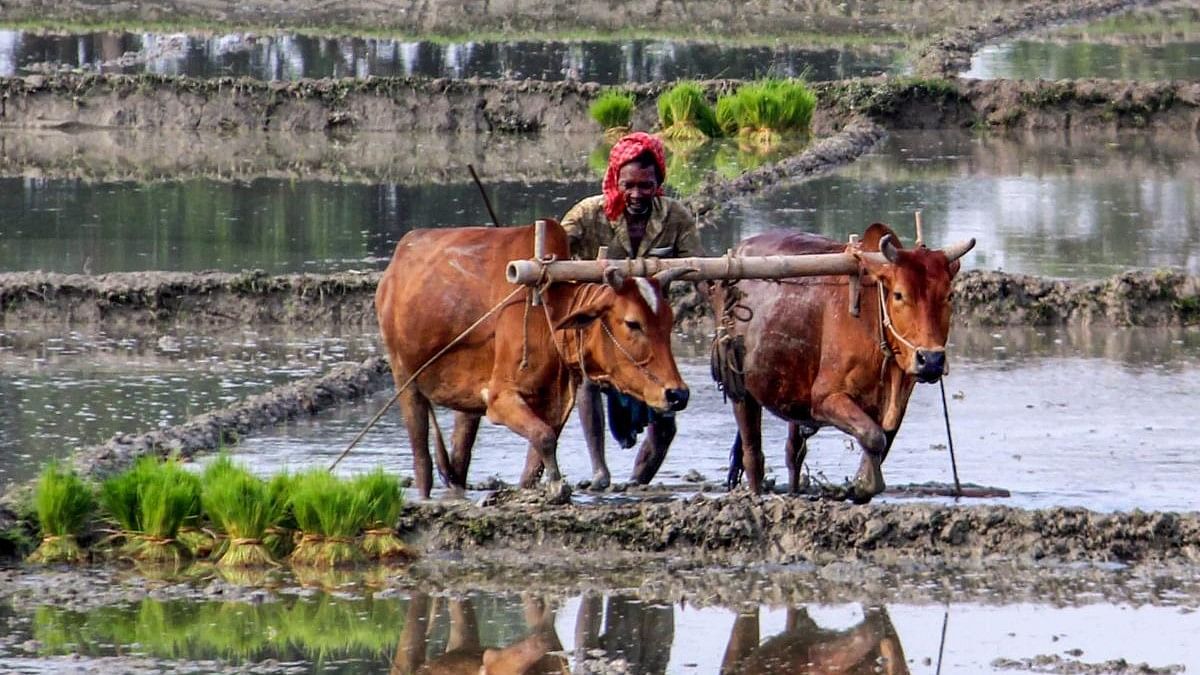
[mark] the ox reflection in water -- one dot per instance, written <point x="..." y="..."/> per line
<point x="813" y="362"/>
<point x="520" y="366"/>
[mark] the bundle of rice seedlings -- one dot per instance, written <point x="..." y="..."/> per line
<point x="149" y="503"/>
<point x="613" y="110"/>
<point x="279" y="538"/>
<point x="684" y="113"/>
<point x="330" y="513"/>
<point x="764" y="110"/>
<point x="385" y="501"/>
<point x="63" y="502"/>
<point x="240" y="504"/>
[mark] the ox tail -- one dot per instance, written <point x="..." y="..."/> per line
<point x="440" y="455"/>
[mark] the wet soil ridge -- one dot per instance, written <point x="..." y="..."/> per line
<point x="951" y="53"/>
<point x="214" y="430"/>
<point x="520" y="106"/>
<point x="1145" y="298"/>
<point x="783" y="529"/>
<point x="1158" y="298"/>
<point x="153" y="297"/>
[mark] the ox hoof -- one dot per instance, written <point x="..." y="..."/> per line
<point x="601" y="481"/>
<point x="558" y="492"/>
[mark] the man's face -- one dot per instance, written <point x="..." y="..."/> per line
<point x="638" y="183"/>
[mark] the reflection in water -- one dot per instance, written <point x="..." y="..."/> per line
<point x="292" y="57"/>
<point x="871" y="646"/>
<point x="464" y="651"/>
<point x="1048" y="203"/>
<point x="1158" y="43"/>
<point x="471" y="632"/>
<point x="63" y="225"/>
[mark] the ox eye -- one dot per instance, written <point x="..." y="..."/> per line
<point x="633" y="325"/>
<point x="898" y="296"/>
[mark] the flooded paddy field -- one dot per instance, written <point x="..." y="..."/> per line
<point x="63" y="390"/>
<point x="1085" y="423"/>
<point x="283" y="56"/>
<point x="1049" y="203"/>
<point x="1156" y="43"/>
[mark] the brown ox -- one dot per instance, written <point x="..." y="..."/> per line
<point x="514" y="367"/>
<point x="871" y="646"/>
<point x="811" y="362"/>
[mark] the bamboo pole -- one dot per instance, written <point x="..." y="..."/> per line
<point x="729" y="266"/>
<point x="726" y="267"/>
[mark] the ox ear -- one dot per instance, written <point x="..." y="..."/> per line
<point x="584" y="316"/>
<point x="889" y="248"/>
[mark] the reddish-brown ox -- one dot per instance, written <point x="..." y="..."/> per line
<point x="810" y="361"/>
<point x="521" y="365"/>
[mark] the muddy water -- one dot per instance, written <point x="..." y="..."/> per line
<point x="62" y="390"/>
<point x="292" y="57"/>
<point x="613" y="631"/>
<point x="1051" y="204"/>
<point x="1092" y="418"/>
<point x="1161" y="43"/>
<point x="67" y="225"/>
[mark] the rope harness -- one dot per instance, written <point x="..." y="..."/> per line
<point x="727" y="357"/>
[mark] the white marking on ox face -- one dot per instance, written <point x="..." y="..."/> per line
<point x="485" y="395"/>
<point x="648" y="293"/>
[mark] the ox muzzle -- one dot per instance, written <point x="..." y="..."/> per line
<point x="677" y="399"/>
<point x="930" y="364"/>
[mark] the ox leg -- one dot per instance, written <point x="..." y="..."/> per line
<point x="415" y="410"/>
<point x="796" y="450"/>
<point x="748" y="414"/>
<point x="466" y="426"/>
<point x="509" y="409"/>
<point x="654" y="448"/>
<point x="591" y="416"/>
<point x="841" y="411"/>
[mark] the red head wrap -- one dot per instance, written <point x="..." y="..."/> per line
<point x="626" y="150"/>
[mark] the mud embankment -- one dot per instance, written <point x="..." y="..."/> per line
<point x="73" y="101"/>
<point x="779" y="529"/>
<point x="1159" y="298"/>
<point x="951" y="52"/>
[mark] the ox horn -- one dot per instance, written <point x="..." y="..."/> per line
<point x="665" y="277"/>
<point x="887" y="246"/>
<point x="957" y="250"/>
<point x="614" y="277"/>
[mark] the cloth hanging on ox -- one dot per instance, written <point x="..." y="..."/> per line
<point x="627" y="417"/>
<point x="625" y="151"/>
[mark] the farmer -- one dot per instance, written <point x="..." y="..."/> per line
<point x="633" y="219"/>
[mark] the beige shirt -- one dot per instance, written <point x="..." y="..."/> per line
<point x="670" y="232"/>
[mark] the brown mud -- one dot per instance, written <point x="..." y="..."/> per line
<point x="71" y="101"/>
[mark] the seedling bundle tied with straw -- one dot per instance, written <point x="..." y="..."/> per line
<point x="149" y="503"/>
<point x="63" y="502"/>
<point x="243" y="507"/>
<point x="330" y="513"/>
<point x="385" y="501"/>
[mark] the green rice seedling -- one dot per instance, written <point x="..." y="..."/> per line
<point x="241" y="505"/>
<point x="63" y="502"/>
<point x="331" y="513"/>
<point x="764" y="110"/>
<point x="684" y="113"/>
<point x="385" y="501"/>
<point x="613" y="110"/>
<point x="727" y="113"/>
<point x="149" y="503"/>
<point x="279" y="538"/>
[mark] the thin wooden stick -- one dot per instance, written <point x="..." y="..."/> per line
<point x="942" y="644"/>
<point x="950" y="440"/>
<point x="486" y="202"/>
